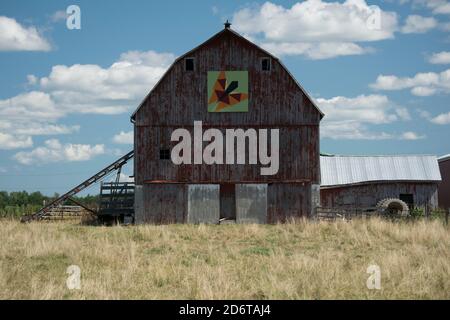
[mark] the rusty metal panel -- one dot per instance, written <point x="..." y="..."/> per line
<point x="251" y="203"/>
<point x="203" y="203"/>
<point x="368" y="195"/>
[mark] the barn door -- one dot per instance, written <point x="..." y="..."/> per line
<point x="228" y="201"/>
<point x="203" y="203"/>
<point x="251" y="203"/>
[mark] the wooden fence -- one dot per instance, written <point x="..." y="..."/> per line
<point x="345" y="213"/>
<point x="66" y="213"/>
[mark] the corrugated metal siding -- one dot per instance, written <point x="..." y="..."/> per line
<point x="139" y="209"/>
<point x="369" y="195"/>
<point x="344" y="170"/>
<point x="251" y="203"/>
<point x="203" y="203"/>
<point x="315" y="197"/>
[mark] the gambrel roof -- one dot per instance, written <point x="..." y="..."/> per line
<point x="217" y="35"/>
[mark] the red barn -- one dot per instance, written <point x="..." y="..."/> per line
<point x="258" y="94"/>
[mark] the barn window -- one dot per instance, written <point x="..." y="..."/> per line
<point x="189" y="64"/>
<point x="265" y="64"/>
<point x="164" y="154"/>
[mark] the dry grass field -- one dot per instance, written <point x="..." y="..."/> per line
<point x="303" y="260"/>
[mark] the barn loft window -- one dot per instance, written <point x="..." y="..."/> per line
<point x="265" y="64"/>
<point x="164" y="154"/>
<point x="189" y="64"/>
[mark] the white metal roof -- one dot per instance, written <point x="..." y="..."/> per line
<point x="444" y="158"/>
<point x="345" y="170"/>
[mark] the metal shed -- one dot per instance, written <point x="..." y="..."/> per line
<point x="362" y="181"/>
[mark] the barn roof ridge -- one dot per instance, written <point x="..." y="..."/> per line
<point x="226" y="30"/>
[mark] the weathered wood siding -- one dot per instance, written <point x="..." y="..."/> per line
<point x="369" y="195"/>
<point x="298" y="159"/>
<point x="444" y="186"/>
<point x="161" y="203"/>
<point x="275" y="101"/>
<point x="287" y="201"/>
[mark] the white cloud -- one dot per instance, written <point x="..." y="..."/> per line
<point x="36" y="129"/>
<point x="54" y="151"/>
<point x="123" y="178"/>
<point x="124" y="137"/>
<point x="32" y="79"/>
<point x="316" y="28"/>
<point x="91" y="88"/>
<point x="29" y="114"/>
<point x="350" y="130"/>
<point x="59" y="15"/>
<point x="9" y="141"/>
<point x="148" y="58"/>
<point x="422" y="84"/>
<point x="443" y="118"/>
<point x="315" y="51"/>
<point x="374" y="109"/>
<point x="440" y="58"/>
<point x="436" y="6"/>
<point x="15" y="37"/>
<point x="314" y="20"/>
<point x="445" y="26"/>
<point x="34" y="105"/>
<point x="423" y="91"/>
<point x="403" y="113"/>
<point x="409" y="135"/>
<point x="419" y="24"/>
<point x="424" y="114"/>
<point x="349" y="118"/>
<point x="80" y="88"/>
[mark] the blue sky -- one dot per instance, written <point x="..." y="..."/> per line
<point x="66" y="95"/>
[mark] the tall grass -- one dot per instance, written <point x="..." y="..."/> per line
<point x="300" y="260"/>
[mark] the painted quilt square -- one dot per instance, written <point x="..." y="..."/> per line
<point x="227" y="91"/>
